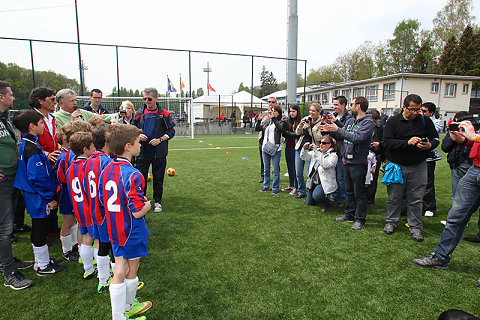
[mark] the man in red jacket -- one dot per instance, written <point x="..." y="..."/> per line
<point x="465" y="202"/>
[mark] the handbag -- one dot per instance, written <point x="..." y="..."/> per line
<point x="270" y="148"/>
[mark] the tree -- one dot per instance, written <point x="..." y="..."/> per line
<point x="451" y="21"/>
<point x="322" y="74"/>
<point x="241" y="88"/>
<point x="268" y="82"/>
<point x="425" y="61"/>
<point x="447" y="61"/>
<point x="467" y="52"/>
<point x="200" y="92"/>
<point x="404" y="45"/>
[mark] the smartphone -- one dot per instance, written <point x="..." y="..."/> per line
<point x="425" y="139"/>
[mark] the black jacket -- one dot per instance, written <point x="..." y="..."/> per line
<point x="457" y="154"/>
<point x="279" y="128"/>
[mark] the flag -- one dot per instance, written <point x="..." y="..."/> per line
<point x="171" y="88"/>
<point x="182" y="85"/>
<point x="209" y="87"/>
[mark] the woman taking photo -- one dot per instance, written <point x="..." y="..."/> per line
<point x="271" y="147"/>
<point x="308" y="131"/>
<point x="126" y="112"/>
<point x="321" y="179"/>
<point x="289" y="132"/>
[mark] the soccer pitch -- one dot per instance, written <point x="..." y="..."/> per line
<point x="223" y="250"/>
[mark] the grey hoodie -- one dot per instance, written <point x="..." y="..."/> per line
<point x="356" y="136"/>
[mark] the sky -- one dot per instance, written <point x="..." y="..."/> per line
<point x="326" y="29"/>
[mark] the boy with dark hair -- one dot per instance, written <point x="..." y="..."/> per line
<point x="35" y="178"/>
<point x="81" y="143"/>
<point x="93" y="168"/>
<point x="121" y="192"/>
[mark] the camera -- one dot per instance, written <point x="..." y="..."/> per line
<point x="122" y="113"/>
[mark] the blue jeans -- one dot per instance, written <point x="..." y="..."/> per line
<point x="300" y="166"/>
<point x="317" y="195"/>
<point x="290" y="159"/>
<point x="457" y="174"/>
<point x="465" y="202"/>
<point x="276" y="170"/>
<point x="340" y="193"/>
<point x="356" y="205"/>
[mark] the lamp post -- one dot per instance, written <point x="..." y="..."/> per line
<point x="208" y="70"/>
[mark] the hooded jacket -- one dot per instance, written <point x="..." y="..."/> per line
<point x="356" y="136"/>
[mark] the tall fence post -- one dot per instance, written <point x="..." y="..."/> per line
<point x="118" y="72"/>
<point x="80" y="64"/>
<point x="33" y="68"/>
<point x="251" y="91"/>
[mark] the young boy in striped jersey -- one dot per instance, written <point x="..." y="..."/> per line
<point x="81" y="143"/>
<point x="121" y="192"/>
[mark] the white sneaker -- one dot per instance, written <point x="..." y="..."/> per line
<point x="158" y="207"/>
<point x="429" y="213"/>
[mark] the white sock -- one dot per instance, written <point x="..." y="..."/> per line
<point x="66" y="243"/>
<point x="132" y="285"/>
<point x="117" y="300"/>
<point x="103" y="266"/>
<point x="42" y="257"/>
<point x="95" y="254"/>
<point x="112" y="264"/>
<point x="73" y="232"/>
<point x="86" y="253"/>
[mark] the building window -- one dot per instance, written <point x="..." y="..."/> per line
<point x="389" y="91"/>
<point x="346" y="93"/>
<point x="357" y="92"/>
<point x="450" y="89"/>
<point x="434" y="87"/>
<point x="310" y="97"/>
<point x="325" y="98"/>
<point x="317" y="97"/>
<point x="372" y="93"/>
<point x="336" y="93"/>
<point x="465" y="88"/>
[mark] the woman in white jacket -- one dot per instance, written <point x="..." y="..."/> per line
<point x="321" y="179"/>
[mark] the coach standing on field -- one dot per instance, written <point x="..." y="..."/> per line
<point x="158" y="127"/>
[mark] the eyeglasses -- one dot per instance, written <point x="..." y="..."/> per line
<point x="352" y="104"/>
<point x="324" y="142"/>
<point x="414" y="110"/>
<point x="147" y="98"/>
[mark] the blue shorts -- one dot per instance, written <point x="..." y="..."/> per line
<point x="85" y="230"/>
<point x="66" y="209"/>
<point x="101" y="232"/>
<point x="131" y="251"/>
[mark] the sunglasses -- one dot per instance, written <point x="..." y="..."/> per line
<point x="271" y="101"/>
<point x="324" y="142"/>
<point x="352" y="104"/>
<point x="424" y="110"/>
<point x="147" y="98"/>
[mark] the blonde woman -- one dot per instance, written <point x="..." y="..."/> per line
<point x="126" y="112"/>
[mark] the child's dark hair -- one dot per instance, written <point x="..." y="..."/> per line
<point x="99" y="136"/>
<point x="23" y="118"/>
<point x="80" y="140"/>
<point x="119" y="134"/>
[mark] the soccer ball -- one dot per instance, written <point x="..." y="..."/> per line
<point x="171" y="172"/>
<point x="149" y="176"/>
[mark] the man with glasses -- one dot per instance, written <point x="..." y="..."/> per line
<point x="158" y="127"/>
<point x="429" y="202"/>
<point x="408" y="138"/>
<point x="95" y="104"/>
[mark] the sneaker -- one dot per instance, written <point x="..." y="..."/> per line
<point x="17" y="281"/>
<point x="158" y="207"/>
<point x="260" y="181"/>
<point x="429" y="213"/>
<point x="75" y="248"/>
<point x="389" y="228"/>
<point x="294" y="192"/>
<point x="140" y="285"/>
<point x="288" y="189"/>
<point x="70" y="256"/>
<point x="431" y="261"/>
<point x="358" y="225"/>
<point x="50" y="269"/>
<point x="138" y="308"/>
<point x="472" y="239"/>
<point x="21" y="228"/>
<point x="52" y="261"/>
<point x="19" y="264"/>
<point x="299" y="195"/>
<point x="265" y="189"/>
<point x="478" y="282"/>
<point x="13" y="239"/>
<point x="417" y="235"/>
<point x="88" y="276"/>
<point x="343" y="219"/>
<point x="274" y="193"/>
<point x="137" y="318"/>
<point x="104" y="287"/>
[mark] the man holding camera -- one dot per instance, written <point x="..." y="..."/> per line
<point x="408" y="138"/>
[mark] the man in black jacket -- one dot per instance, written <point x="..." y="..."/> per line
<point x="408" y="138"/>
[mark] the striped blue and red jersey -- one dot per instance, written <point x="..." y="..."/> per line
<point x="122" y="194"/>
<point x="77" y="192"/>
<point x="64" y="160"/>
<point x="94" y="166"/>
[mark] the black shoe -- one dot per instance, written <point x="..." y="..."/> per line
<point x="478" y="282"/>
<point x="21" y="228"/>
<point x="431" y="261"/>
<point x="472" y="239"/>
<point x="417" y="235"/>
<point x="75" y="248"/>
<point x="50" y="269"/>
<point x="358" y="225"/>
<point x="343" y="219"/>
<point x="19" y="264"/>
<point x="70" y="256"/>
<point x="17" y="281"/>
<point x="13" y="239"/>
<point x="389" y="228"/>
<point x="299" y="195"/>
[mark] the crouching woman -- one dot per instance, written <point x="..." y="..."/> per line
<point x="321" y="179"/>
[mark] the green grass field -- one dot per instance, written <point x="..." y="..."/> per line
<point x="223" y="250"/>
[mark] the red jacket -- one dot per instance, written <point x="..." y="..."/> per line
<point x="48" y="143"/>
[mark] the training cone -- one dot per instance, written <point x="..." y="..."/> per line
<point x="228" y="152"/>
<point x="218" y="148"/>
<point x="210" y="144"/>
<point x="244" y="158"/>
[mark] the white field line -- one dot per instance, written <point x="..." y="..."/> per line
<point x="212" y="148"/>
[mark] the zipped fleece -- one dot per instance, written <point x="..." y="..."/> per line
<point x="356" y="135"/>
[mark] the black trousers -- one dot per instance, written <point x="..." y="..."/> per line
<point x="429" y="202"/>
<point x="158" y="173"/>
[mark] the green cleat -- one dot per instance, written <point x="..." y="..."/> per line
<point x="139" y="318"/>
<point x="140" y="285"/>
<point x="104" y="287"/>
<point x="138" y="308"/>
<point x="87" y="276"/>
